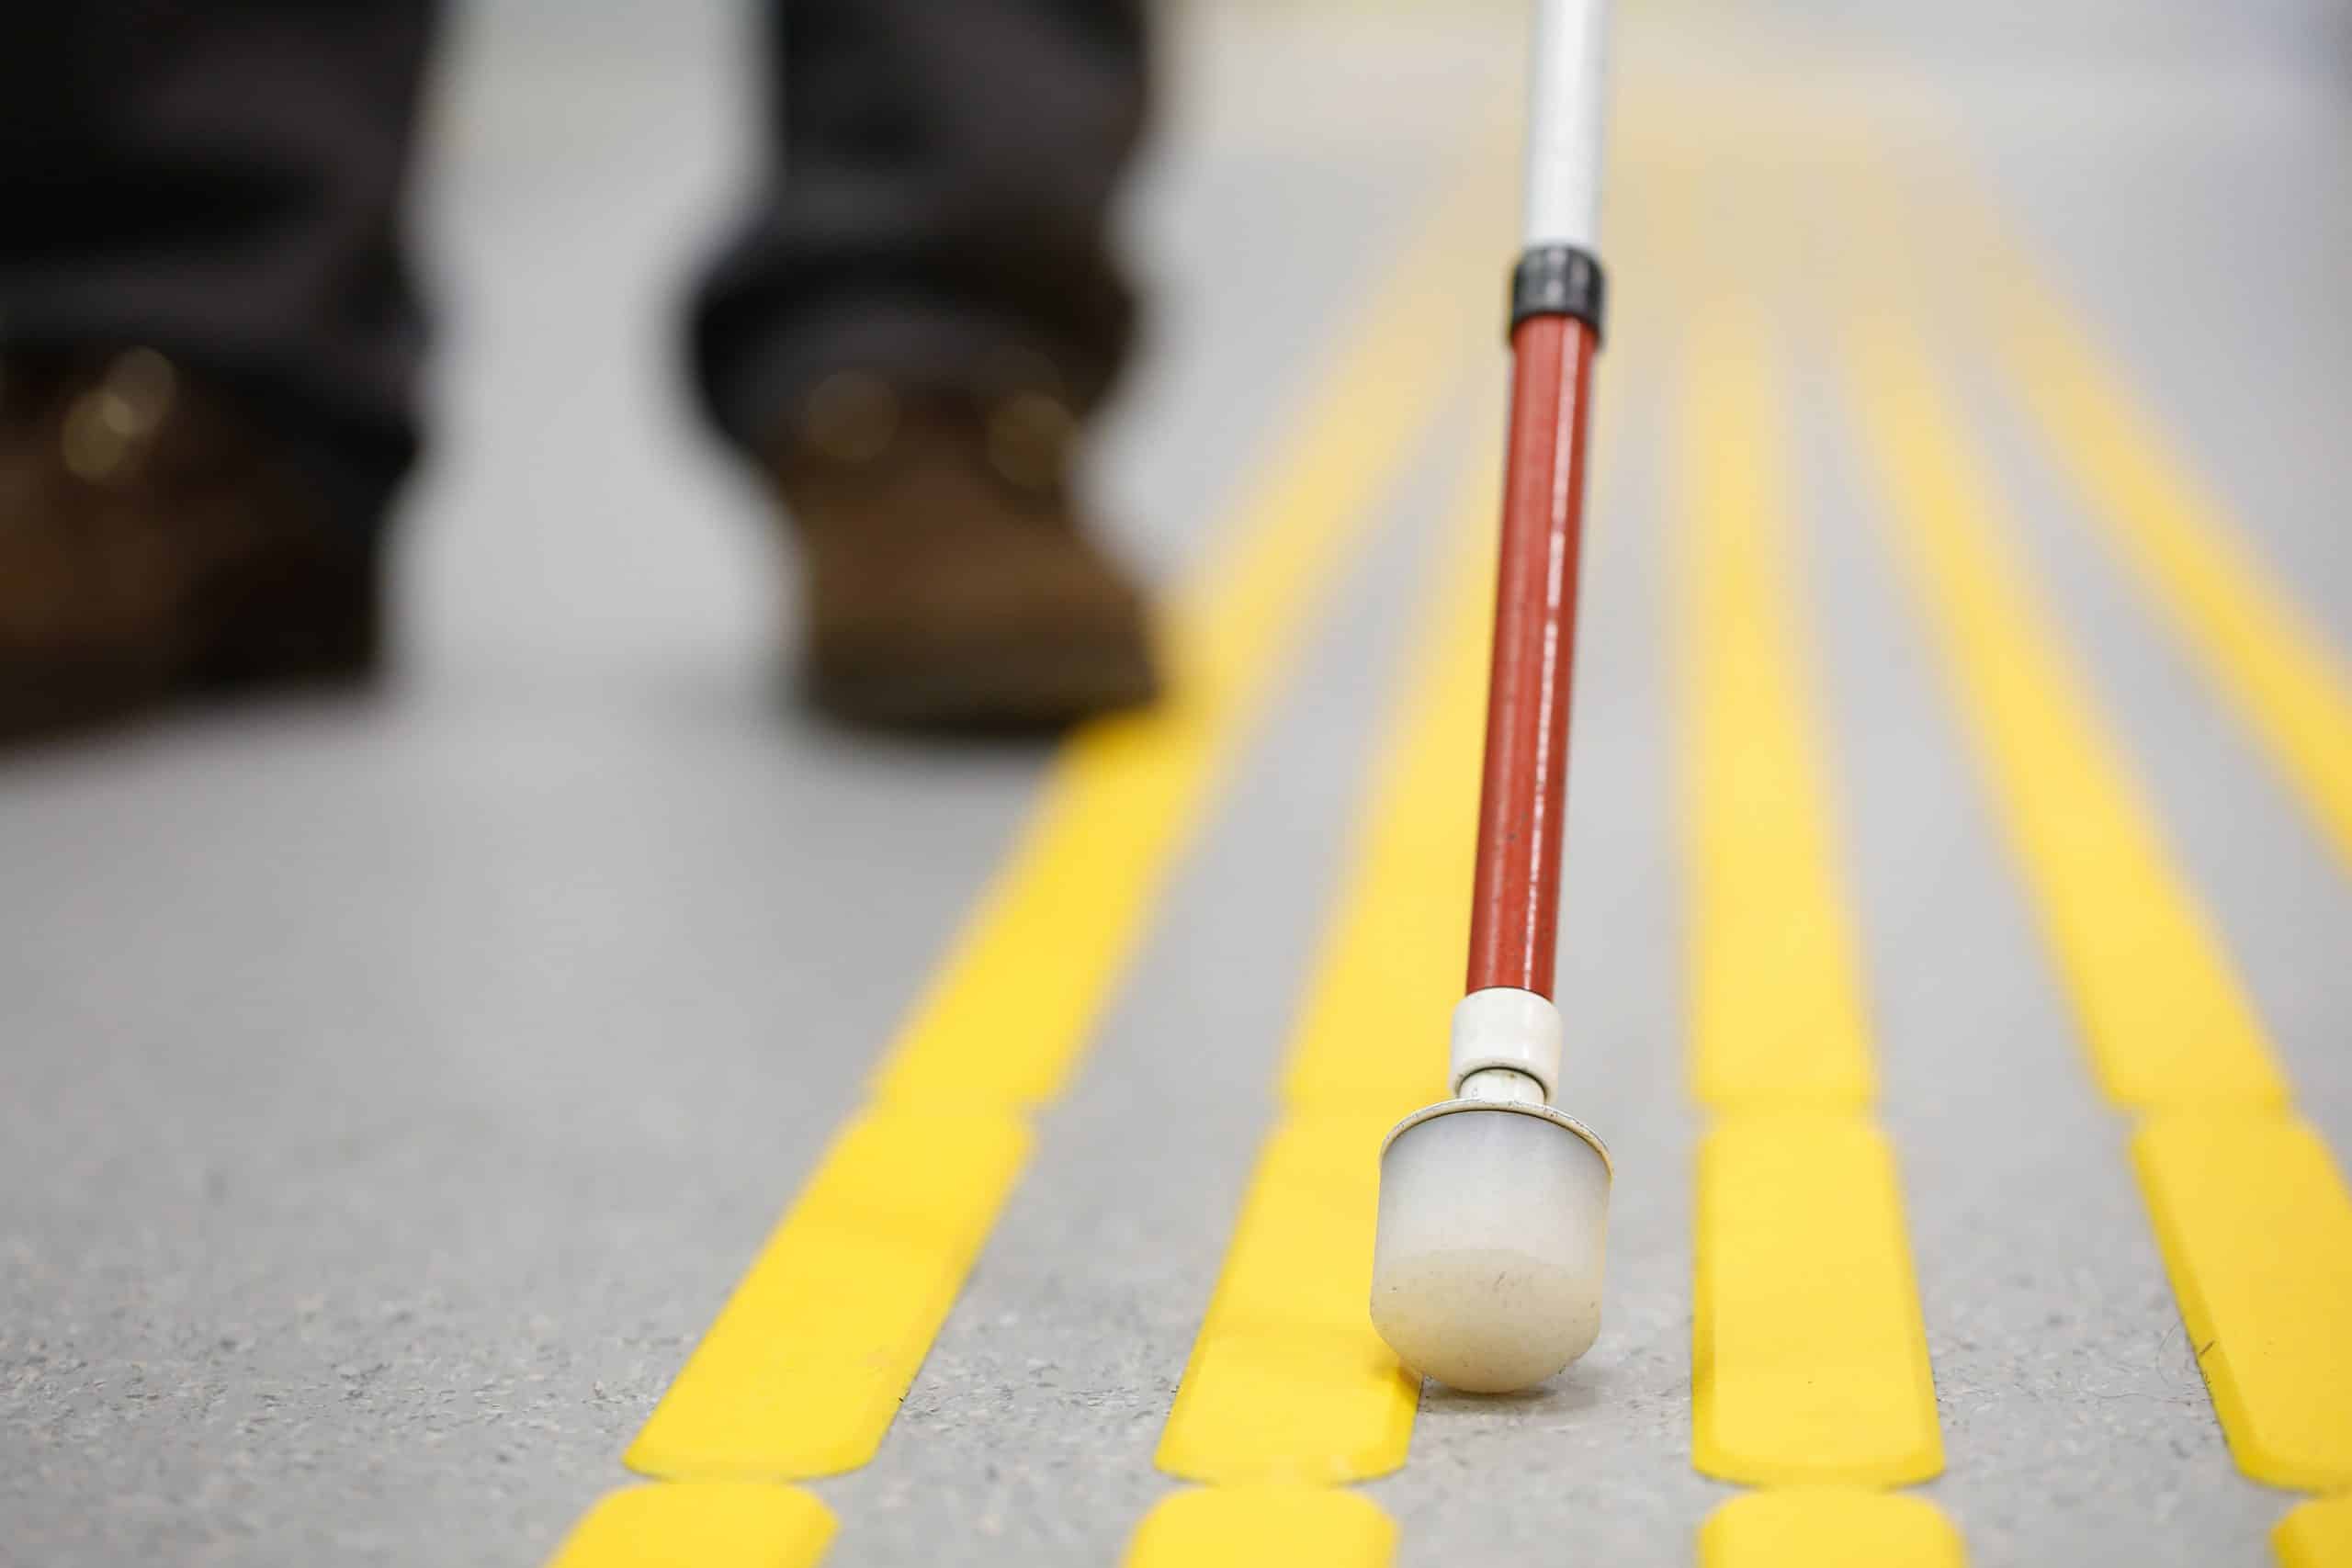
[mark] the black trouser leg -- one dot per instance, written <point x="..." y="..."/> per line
<point x="934" y="206"/>
<point x="223" y="182"/>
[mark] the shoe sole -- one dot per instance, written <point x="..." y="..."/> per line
<point x="1003" y="697"/>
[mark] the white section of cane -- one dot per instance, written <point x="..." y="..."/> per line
<point x="1508" y="1028"/>
<point x="1566" y="100"/>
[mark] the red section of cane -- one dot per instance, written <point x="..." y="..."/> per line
<point x="1515" y="908"/>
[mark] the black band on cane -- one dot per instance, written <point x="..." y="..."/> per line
<point x="1557" y="280"/>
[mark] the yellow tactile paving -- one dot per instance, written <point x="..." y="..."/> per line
<point x="1287" y="1380"/>
<point x="2254" y="640"/>
<point x="2316" y="1535"/>
<point x="804" y="1366"/>
<point x="1805" y="1285"/>
<point x="2256" y="1225"/>
<point x="2164" y="1015"/>
<point x="1371" y="1030"/>
<point x="700" y="1525"/>
<point x="1809" y="1362"/>
<point x="1809" y="1359"/>
<point x="1264" y="1527"/>
<point x="1776" y="995"/>
<point x="1828" y="1527"/>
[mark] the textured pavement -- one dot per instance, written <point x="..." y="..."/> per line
<point x="391" y="1092"/>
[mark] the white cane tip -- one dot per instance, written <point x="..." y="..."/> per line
<point x="1487" y="1267"/>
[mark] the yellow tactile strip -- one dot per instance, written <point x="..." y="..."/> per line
<point x="2257" y="644"/>
<point x="804" y="1367"/>
<point x="2164" y="1017"/>
<point x="1817" y="1526"/>
<point x="1809" y="1360"/>
<point x="1371" y="1031"/>
<point x="2316" y="1535"/>
<point x="1287" y="1380"/>
<point x="721" y="1524"/>
<point x="803" y="1370"/>
<point x="1776" y="995"/>
<point x="1809" y="1357"/>
<point x="1264" y="1527"/>
<point x="2256" y="1225"/>
<point x="2249" y="1211"/>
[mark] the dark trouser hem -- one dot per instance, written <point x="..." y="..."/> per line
<point x="224" y="185"/>
<point x="754" y="385"/>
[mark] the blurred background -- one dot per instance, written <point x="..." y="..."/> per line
<point x="393" y="1086"/>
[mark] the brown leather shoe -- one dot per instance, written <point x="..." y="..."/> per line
<point x="151" y="545"/>
<point x="947" y="582"/>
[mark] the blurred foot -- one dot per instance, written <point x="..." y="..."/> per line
<point x="950" y="584"/>
<point x="152" y="546"/>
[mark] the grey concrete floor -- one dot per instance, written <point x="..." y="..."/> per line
<point x="391" y="1091"/>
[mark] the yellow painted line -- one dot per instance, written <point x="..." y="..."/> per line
<point x="1264" y="1527"/>
<point x="1287" y="1380"/>
<point x="805" y="1367"/>
<point x="1828" y="1527"/>
<point x="2256" y="1225"/>
<point x="2164" y="1015"/>
<point x="1809" y="1361"/>
<point x="700" y="1525"/>
<point x="2255" y="643"/>
<point x="1776" y="998"/>
<point x="2316" y="1535"/>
